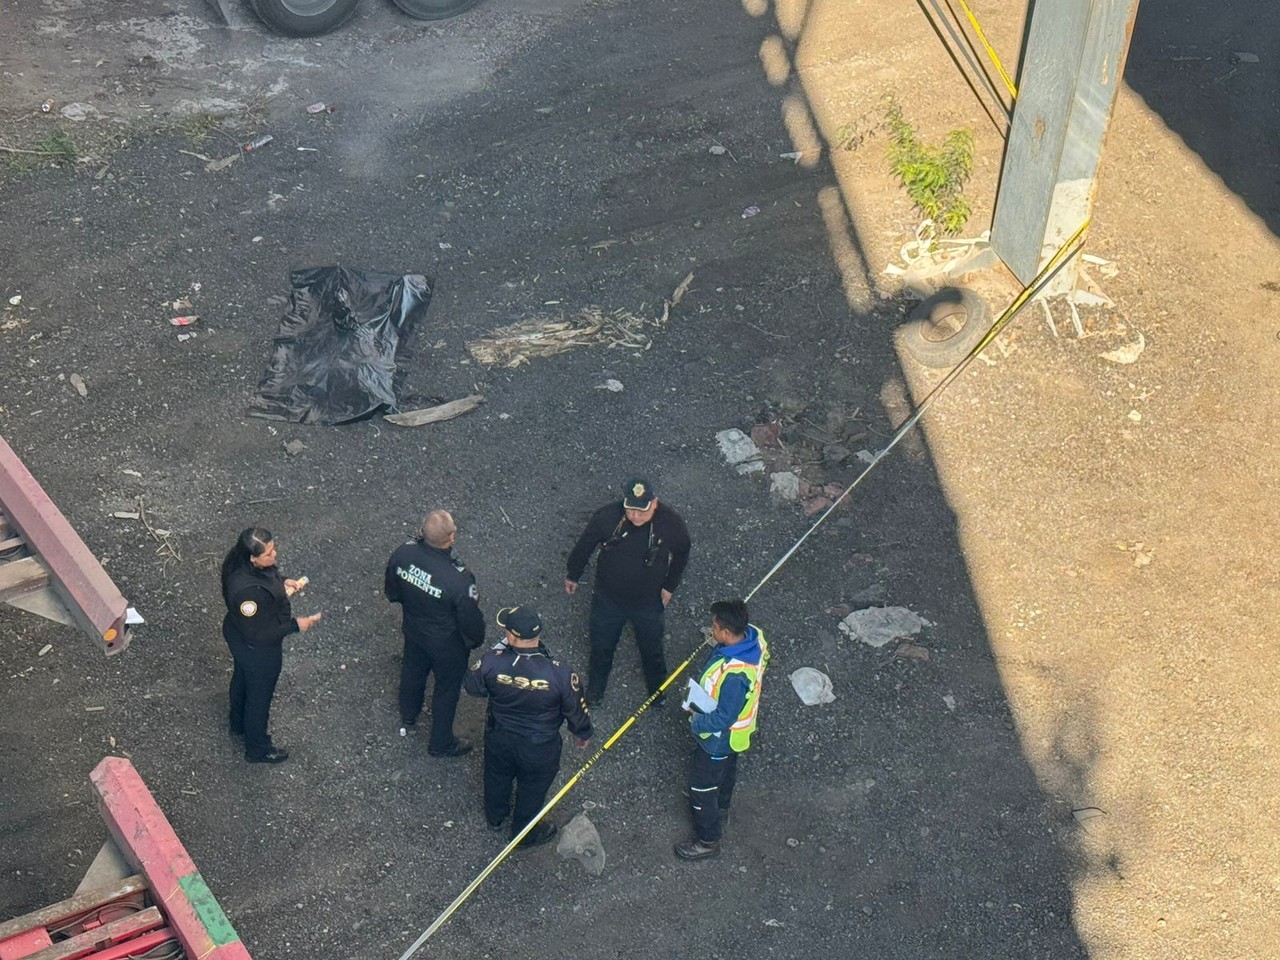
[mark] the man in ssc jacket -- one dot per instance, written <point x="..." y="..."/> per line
<point x="644" y="547"/>
<point x="731" y="678"/>
<point x="530" y="694"/>
<point x="442" y="622"/>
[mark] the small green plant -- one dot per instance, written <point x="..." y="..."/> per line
<point x="934" y="177"/>
<point x="54" y="147"/>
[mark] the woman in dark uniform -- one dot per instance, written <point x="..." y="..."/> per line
<point x="257" y="621"/>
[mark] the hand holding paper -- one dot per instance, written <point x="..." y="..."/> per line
<point x="697" y="698"/>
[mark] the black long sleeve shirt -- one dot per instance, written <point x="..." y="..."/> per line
<point x="621" y="569"/>
<point x="258" y="610"/>
<point x="437" y="594"/>
<point x="530" y="693"/>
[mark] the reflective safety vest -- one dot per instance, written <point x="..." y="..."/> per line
<point x="713" y="678"/>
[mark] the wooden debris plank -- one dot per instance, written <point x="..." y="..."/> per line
<point x="88" y="944"/>
<point x="57" y="913"/>
<point x="22" y="576"/>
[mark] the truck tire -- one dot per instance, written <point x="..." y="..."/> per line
<point x="942" y="330"/>
<point x="434" y="9"/>
<point x="304" y="18"/>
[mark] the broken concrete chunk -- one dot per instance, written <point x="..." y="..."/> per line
<point x="738" y="448"/>
<point x="784" y="485"/>
<point x="294" y="447"/>
<point x="812" y="686"/>
<point x="579" y="840"/>
<point x="876" y="626"/>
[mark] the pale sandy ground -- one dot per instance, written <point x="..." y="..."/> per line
<point x="1117" y="520"/>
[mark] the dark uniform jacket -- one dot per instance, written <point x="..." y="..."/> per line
<point x="529" y="693"/>
<point x="636" y="563"/>
<point x="438" y="596"/>
<point x="258" y="612"/>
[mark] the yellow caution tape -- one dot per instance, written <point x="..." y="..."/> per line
<point x="1056" y="263"/>
<point x="991" y="52"/>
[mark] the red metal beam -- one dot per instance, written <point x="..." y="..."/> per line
<point x="148" y="842"/>
<point x="75" y="574"/>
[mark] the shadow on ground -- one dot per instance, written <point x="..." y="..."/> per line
<point x="903" y="820"/>
<point x="1210" y="73"/>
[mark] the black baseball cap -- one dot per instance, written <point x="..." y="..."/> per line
<point x="524" y="622"/>
<point x="637" y="494"/>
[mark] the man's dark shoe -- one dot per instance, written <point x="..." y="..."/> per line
<point x="539" y="835"/>
<point x="460" y="747"/>
<point x="698" y="849"/>
<point x="495" y="827"/>
<point x="659" y="702"/>
<point x="235" y="731"/>
<point x="594" y="699"/>
<point x="274" y="755"/>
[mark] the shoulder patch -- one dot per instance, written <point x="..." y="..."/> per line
<point x="248" y="608"/>
<point x="476" y="665"/>
<point x="473" y="593"/>
<point x="459" y="566"/>
<point x="574" y="681"/>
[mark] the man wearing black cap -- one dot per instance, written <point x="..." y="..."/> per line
<point x="644" y="546"/>
<point x="530" y="695"/>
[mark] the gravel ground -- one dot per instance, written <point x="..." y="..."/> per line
<point x="551" y="159"/>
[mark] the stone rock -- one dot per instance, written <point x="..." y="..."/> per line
<point x="812" y="686"/>
<point x="765" y="435"/>
<point x="750" y="466"/>
<point x="294" y="447"/>
<point x="815" y="505"/>
<point x="784" y="486"/>
<point x="579" y="840"/>
<point x="876" y="626"/>
<point x="737" y="447"/>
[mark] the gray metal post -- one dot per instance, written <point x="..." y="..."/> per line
<point x="1070" y="74"/>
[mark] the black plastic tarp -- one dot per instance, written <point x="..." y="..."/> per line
<point x="343" y="345"/>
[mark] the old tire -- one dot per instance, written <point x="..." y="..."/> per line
<point x="942" y="330"/>
<point x="434" y="9"/>
<point x="304" y="18"/>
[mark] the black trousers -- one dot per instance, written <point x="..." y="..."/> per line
<point x="253" y="684"/>
<point x="711" y="781"/>
<point x="607" y="620"/>
<point x="532" y="766"/>
<point x="449" y="663"/>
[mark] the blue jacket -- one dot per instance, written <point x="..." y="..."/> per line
<point x="733" y="695"/>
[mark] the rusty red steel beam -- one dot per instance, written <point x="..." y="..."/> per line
<point x="75" y="574"/>
<point x="145" y="838"/>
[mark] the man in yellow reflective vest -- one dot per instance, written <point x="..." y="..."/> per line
<point x="731" y="679"/>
